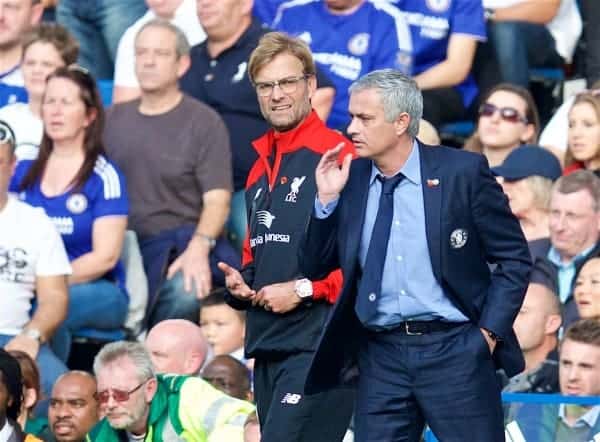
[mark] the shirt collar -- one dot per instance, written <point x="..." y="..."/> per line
<point x="554" y="256"/>
<point x="589" y="418"/>
<point x="411" y="168"/>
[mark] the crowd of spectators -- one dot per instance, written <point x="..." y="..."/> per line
<point x="168" y="163"/>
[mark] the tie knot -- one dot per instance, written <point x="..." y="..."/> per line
<point x="389" y="184"/>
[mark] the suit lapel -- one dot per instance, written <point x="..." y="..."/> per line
<point x="357" y="192"/>
<point x="432" y="183"/>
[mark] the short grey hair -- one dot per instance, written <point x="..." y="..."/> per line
<point x="399" y="93"/>
<point x="135" y="351"/>
<point x="580" y="180"/>
<point x="182" y="45"/>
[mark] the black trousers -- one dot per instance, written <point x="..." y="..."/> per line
<point x="443" y="105"/>
<point x="286" y="414"/>
<point x="446" y="379"/>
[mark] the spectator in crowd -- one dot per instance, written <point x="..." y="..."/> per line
<point x="137" y="402"/>
<point x="98" y="26"/>
<point x="73" y="406"/>
<point x="229" y="375"/>
<point x="527" y="175"/>
<point x="531" y="33"/>
<point x="223" y="326"/>
<point x="574" y="234"/>
<point x="46" y="47"/>
<point x="38" y="426"/>
<point x="508" y="118"/>
<point x="84" y="194"/>
<point x="348" y="39"/>
<point x="175" y="153"/>
<point x="36" y="267"/>
<point x="579" y="375"/>
<point x="285" y="312"/>
<point x="536" y="327"/>
<point x="583" y="151"/>
<point x="218" y="77"/>
<point x="444" y="39"/>
<point x="182" y="13"/>
<point x="587" y="291"/>
<point x="177" y="346"/>
<point x="11" y="395"/>
<point x="15" y="19"/>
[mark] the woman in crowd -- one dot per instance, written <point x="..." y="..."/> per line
<point x="527" y="175"/>
<point x="583" y="151"/>
<point x="84" y="194"/>
<point x="31" y="395"/>
<point x="45" y="48"/>
<point x="508" y="118"/>
<point x="587" y="290"/>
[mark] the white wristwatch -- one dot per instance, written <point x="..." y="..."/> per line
<point x="33" y="333"/>
<point x="304" y="288"/>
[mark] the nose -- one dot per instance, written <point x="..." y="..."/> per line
<point x="352" y="127"/>
<point x="63" y="410"/>
<point x="277" y="92"/>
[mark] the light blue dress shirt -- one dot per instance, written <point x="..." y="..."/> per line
<point x="566" y="271"/>
<point x="409" y="290"/>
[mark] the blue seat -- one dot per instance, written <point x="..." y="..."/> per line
<point x="458" y="129"/>
<point x="547" y="74"/>
<point x="85" y="335"/>
<point x="105" y="87"/>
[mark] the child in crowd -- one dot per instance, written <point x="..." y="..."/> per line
<point x="223" y="326"/>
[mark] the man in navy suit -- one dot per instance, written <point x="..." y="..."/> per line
<point x="413" y="228"/>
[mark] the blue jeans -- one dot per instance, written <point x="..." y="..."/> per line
<point x="98" y="26"/>
<point x="521" y="45"/>
<point x="237" y="223"/>
<point x="100" y="304"/>
<point x="51" y="367"/>
<point x="174" y="302"/>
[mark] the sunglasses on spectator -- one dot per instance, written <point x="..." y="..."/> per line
<point x="287" y="85"/>
<point x="509" y="114"/>
<point x="118" y="395"/>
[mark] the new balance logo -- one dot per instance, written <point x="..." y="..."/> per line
<point x="291" y="399"/>
<point x="265" y="218"/>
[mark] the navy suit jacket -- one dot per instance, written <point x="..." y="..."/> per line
<point x="459" y="193"/>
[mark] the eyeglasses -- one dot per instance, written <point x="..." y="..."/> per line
<point x="509" y="114"/>
<point x="287" y="85"/>
<point x="118" y="395"/>
<point x="7" y="136"/>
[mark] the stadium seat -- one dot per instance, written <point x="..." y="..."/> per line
<point x="105" y="87"/>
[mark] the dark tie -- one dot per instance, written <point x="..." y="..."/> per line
<point x="369" y="288"/>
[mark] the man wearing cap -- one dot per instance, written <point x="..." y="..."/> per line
<point x="526" y="176"/>
<point x="536" y="327"/>
<point x="33" y="264"/>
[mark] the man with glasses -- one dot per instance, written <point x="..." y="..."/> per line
<point x="285" y="310"/>
<point x="33" y="265"/>
<point x="141" y="405"/>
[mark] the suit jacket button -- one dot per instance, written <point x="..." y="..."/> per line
<point x="372" y="297"/>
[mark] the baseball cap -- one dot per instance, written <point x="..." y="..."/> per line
<point x="529" y="160"/>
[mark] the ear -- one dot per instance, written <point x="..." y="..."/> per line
<point x="150" y="389"/>
<point x="311" y="83"/>
<point x="90" y="117"/>
<point x="30" y="397"/>
<point x="193" y="362"/>
<point x="36" y="13"/>
<point x="401" y="123"/>
<point x="183" y="64"/>
<point x="553" y="323"/>
<point x="528" y="134"/>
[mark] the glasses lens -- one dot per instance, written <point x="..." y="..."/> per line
<point x="102" y="396"/>
<point x="487" y="109"/>
<point x="510" y="114"/>
<point x="120" y="395"/>
<point x="264" y="89"/>
<point x="288" y="85"/>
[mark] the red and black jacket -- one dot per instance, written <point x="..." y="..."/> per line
<point x="280" y="195"/>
